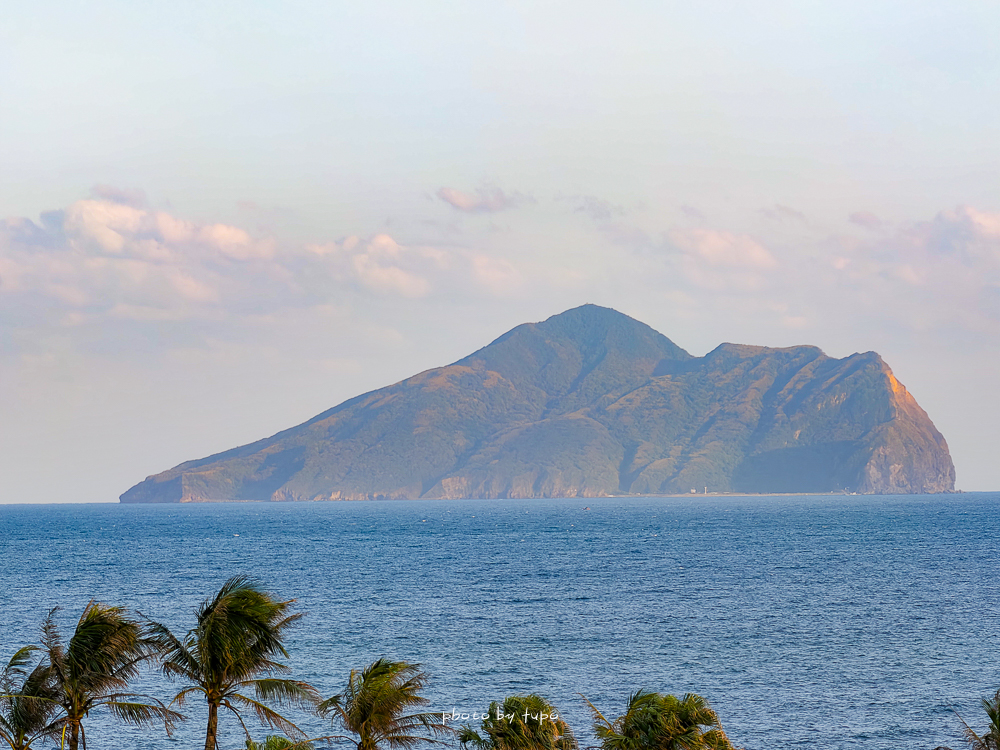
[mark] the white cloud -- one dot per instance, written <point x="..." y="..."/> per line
<point x="716" y="261"/>
<point x="987" y="224"/>
<point x="174" y="230"/>
<point x="908" y="273"/>
<point x="388" y="278"/>
<point x="954" y="241"/>
<point x="107" y="260"/>
<point x="926" y="275"/>
<point x="496" y="275"/>
<point x="233" y="242"/>
<point x="484" y="200"/>
<point x="722" y="248"/>
<point x="105" y="224"/>
<point x="190" y="288"/>
<point x="383" y="265"/>
<point x="936" y="275"/>
<point x="104" y="257"/>
<point x="104" y="260"/>
<point x="379" y="264"/>
<point x="693" y="213"/>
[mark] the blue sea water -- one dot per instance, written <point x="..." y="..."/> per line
<point x="829" y="622"/>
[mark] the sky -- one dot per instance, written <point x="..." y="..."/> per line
<point x="219" y="219"/>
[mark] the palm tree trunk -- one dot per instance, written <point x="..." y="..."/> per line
<point x="73" y="741"/>
<point x="211" y="740"/>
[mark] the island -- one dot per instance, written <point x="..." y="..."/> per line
<point x="593" y="403"/>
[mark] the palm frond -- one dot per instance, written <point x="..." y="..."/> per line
<point x="184" y="693"/>
<point x="17" y="665"/>
<point x="175" y="659"/>
<point x="239" y="631"/>
<point x="467" y="736"/>
<point x="284" y="692"/>
<point x="265" y="714"/>
<point x="28" y="698"/>
<point x="142" y="714"/>
<point x="239" y="718"/>
<point x="52" y="644"/>
<point x="599" y="718"/>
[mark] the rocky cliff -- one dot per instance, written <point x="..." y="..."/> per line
<point x="591" y="403"/>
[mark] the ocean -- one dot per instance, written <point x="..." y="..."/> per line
<point x="858" y="622"/>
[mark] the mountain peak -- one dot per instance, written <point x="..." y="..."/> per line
<point x="578" y="355"/>
<point x="594" y="325"/>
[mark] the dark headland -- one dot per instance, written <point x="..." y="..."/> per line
<point x="591" y="403"/>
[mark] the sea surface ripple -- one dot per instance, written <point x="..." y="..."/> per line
<point x="824" y="621"/>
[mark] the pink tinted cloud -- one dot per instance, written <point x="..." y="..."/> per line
<point x="719" y="248"/>
<point x="102" y="254"/>
<point x="484" y="200"/>
<point x="383" y="266"/>
<point x="105" y="258"/>
<point x="716" y="260"/>
<point x="935" y="273"/>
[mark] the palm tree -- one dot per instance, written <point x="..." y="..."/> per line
<point x="273" y="742"/>
<point x="375" y="707"/>
<point x="521" y="722"/>
<point x="27" y="701"/>
<point x="232" y="650"/>
<point x="991" y="739"/>
<point x="662" y="722"/>
<point x="104" y="654"/>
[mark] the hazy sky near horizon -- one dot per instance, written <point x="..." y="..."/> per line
<point x="219" y="219"/>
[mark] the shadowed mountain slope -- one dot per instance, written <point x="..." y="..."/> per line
<point x="587" y="403"/>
